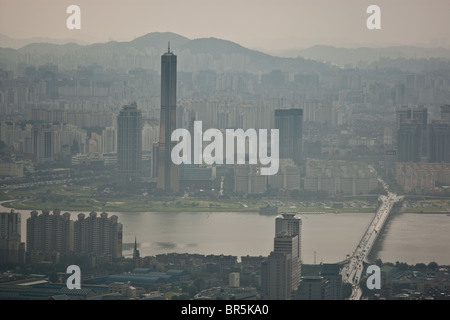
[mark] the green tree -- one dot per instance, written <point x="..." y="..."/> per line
<point x="190" y="290"/>
<point x="378" y="262"/>
<point x="420" y="266"/>
<point x="402" y="266"/>
<point x="199" y="283"/>
<point x="432" y="266"/>
<point x="346" y="290"/>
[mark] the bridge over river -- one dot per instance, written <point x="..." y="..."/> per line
<point x="353" y="267"/>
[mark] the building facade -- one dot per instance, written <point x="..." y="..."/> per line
<point x="276" y="277"/>
<point x="99" y="236"/>
<point x="11" y="248"/>
<point x="290" y="124"/>
<point x="167" y="171"/>
<point x="288" y="239"/>
<point x="313" y="288"/>
<point x="49" y="234"/>
<point x="129" y="144"/>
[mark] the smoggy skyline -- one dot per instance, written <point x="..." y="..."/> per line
<point x="258" y="24"/>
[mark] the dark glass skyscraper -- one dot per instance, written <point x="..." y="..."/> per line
<point x="129" y="144"/>
<point x="167" y="173"/>
<point x="44" y="139"/>
<point x="290" y="124"/>
<point x="440" y="141"/>
<point x="412" y="132"/>
<point x="408" y="141"/>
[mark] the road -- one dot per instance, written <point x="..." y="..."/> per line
<point x="352" y="271"/>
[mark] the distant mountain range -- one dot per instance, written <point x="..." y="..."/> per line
<point x="343" y="56"/>
<point x="7" y="42"/>
<point x="144" y="52"/>
<point x="203" y="53"/>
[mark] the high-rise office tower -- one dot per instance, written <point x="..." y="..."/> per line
<point x="408" y="142"/>
<point x="167" y="172"/>
<point x="129" y="144"/>
<point x="290" y="124"/>
<point x="403" y="114"/>
<point x="332" y="273"/>
<point x="406" y="117"/>
<point x="445" y="113"/>
<point x="289" y="244"/>
<point x="276" y="277"/>
<point x="288" y="239"/>
<point x="280" y="274"/>
<point x="45" y="142"/>
<point x="440" y="141"/>
<point x="11" y="249"/>
<point x="289" y="223"/>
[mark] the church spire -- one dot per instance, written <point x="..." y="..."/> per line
<point x="135" y="251"/>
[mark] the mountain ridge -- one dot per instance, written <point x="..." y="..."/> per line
<point x="212" y="53"/>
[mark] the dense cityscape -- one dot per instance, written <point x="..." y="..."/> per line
<point x="85" y="131"/>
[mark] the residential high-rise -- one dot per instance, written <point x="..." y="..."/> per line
<point x="100" y="236"/>
<point x="109" y="137"/>
<point x="289" y="122"/>
<point x="129" y="144"/>
<point x="11" y="248"/>
<point x="49" y="234"/>
<point x="167" y="172"/>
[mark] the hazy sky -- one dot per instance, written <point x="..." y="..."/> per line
<point x="261" y="24"/>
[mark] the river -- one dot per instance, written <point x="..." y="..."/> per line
<point x="326" y="237"/>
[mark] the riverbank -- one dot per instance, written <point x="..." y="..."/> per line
<point x="177" y="205"/>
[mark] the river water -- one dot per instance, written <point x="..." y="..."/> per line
<point x="326" y="237"/>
